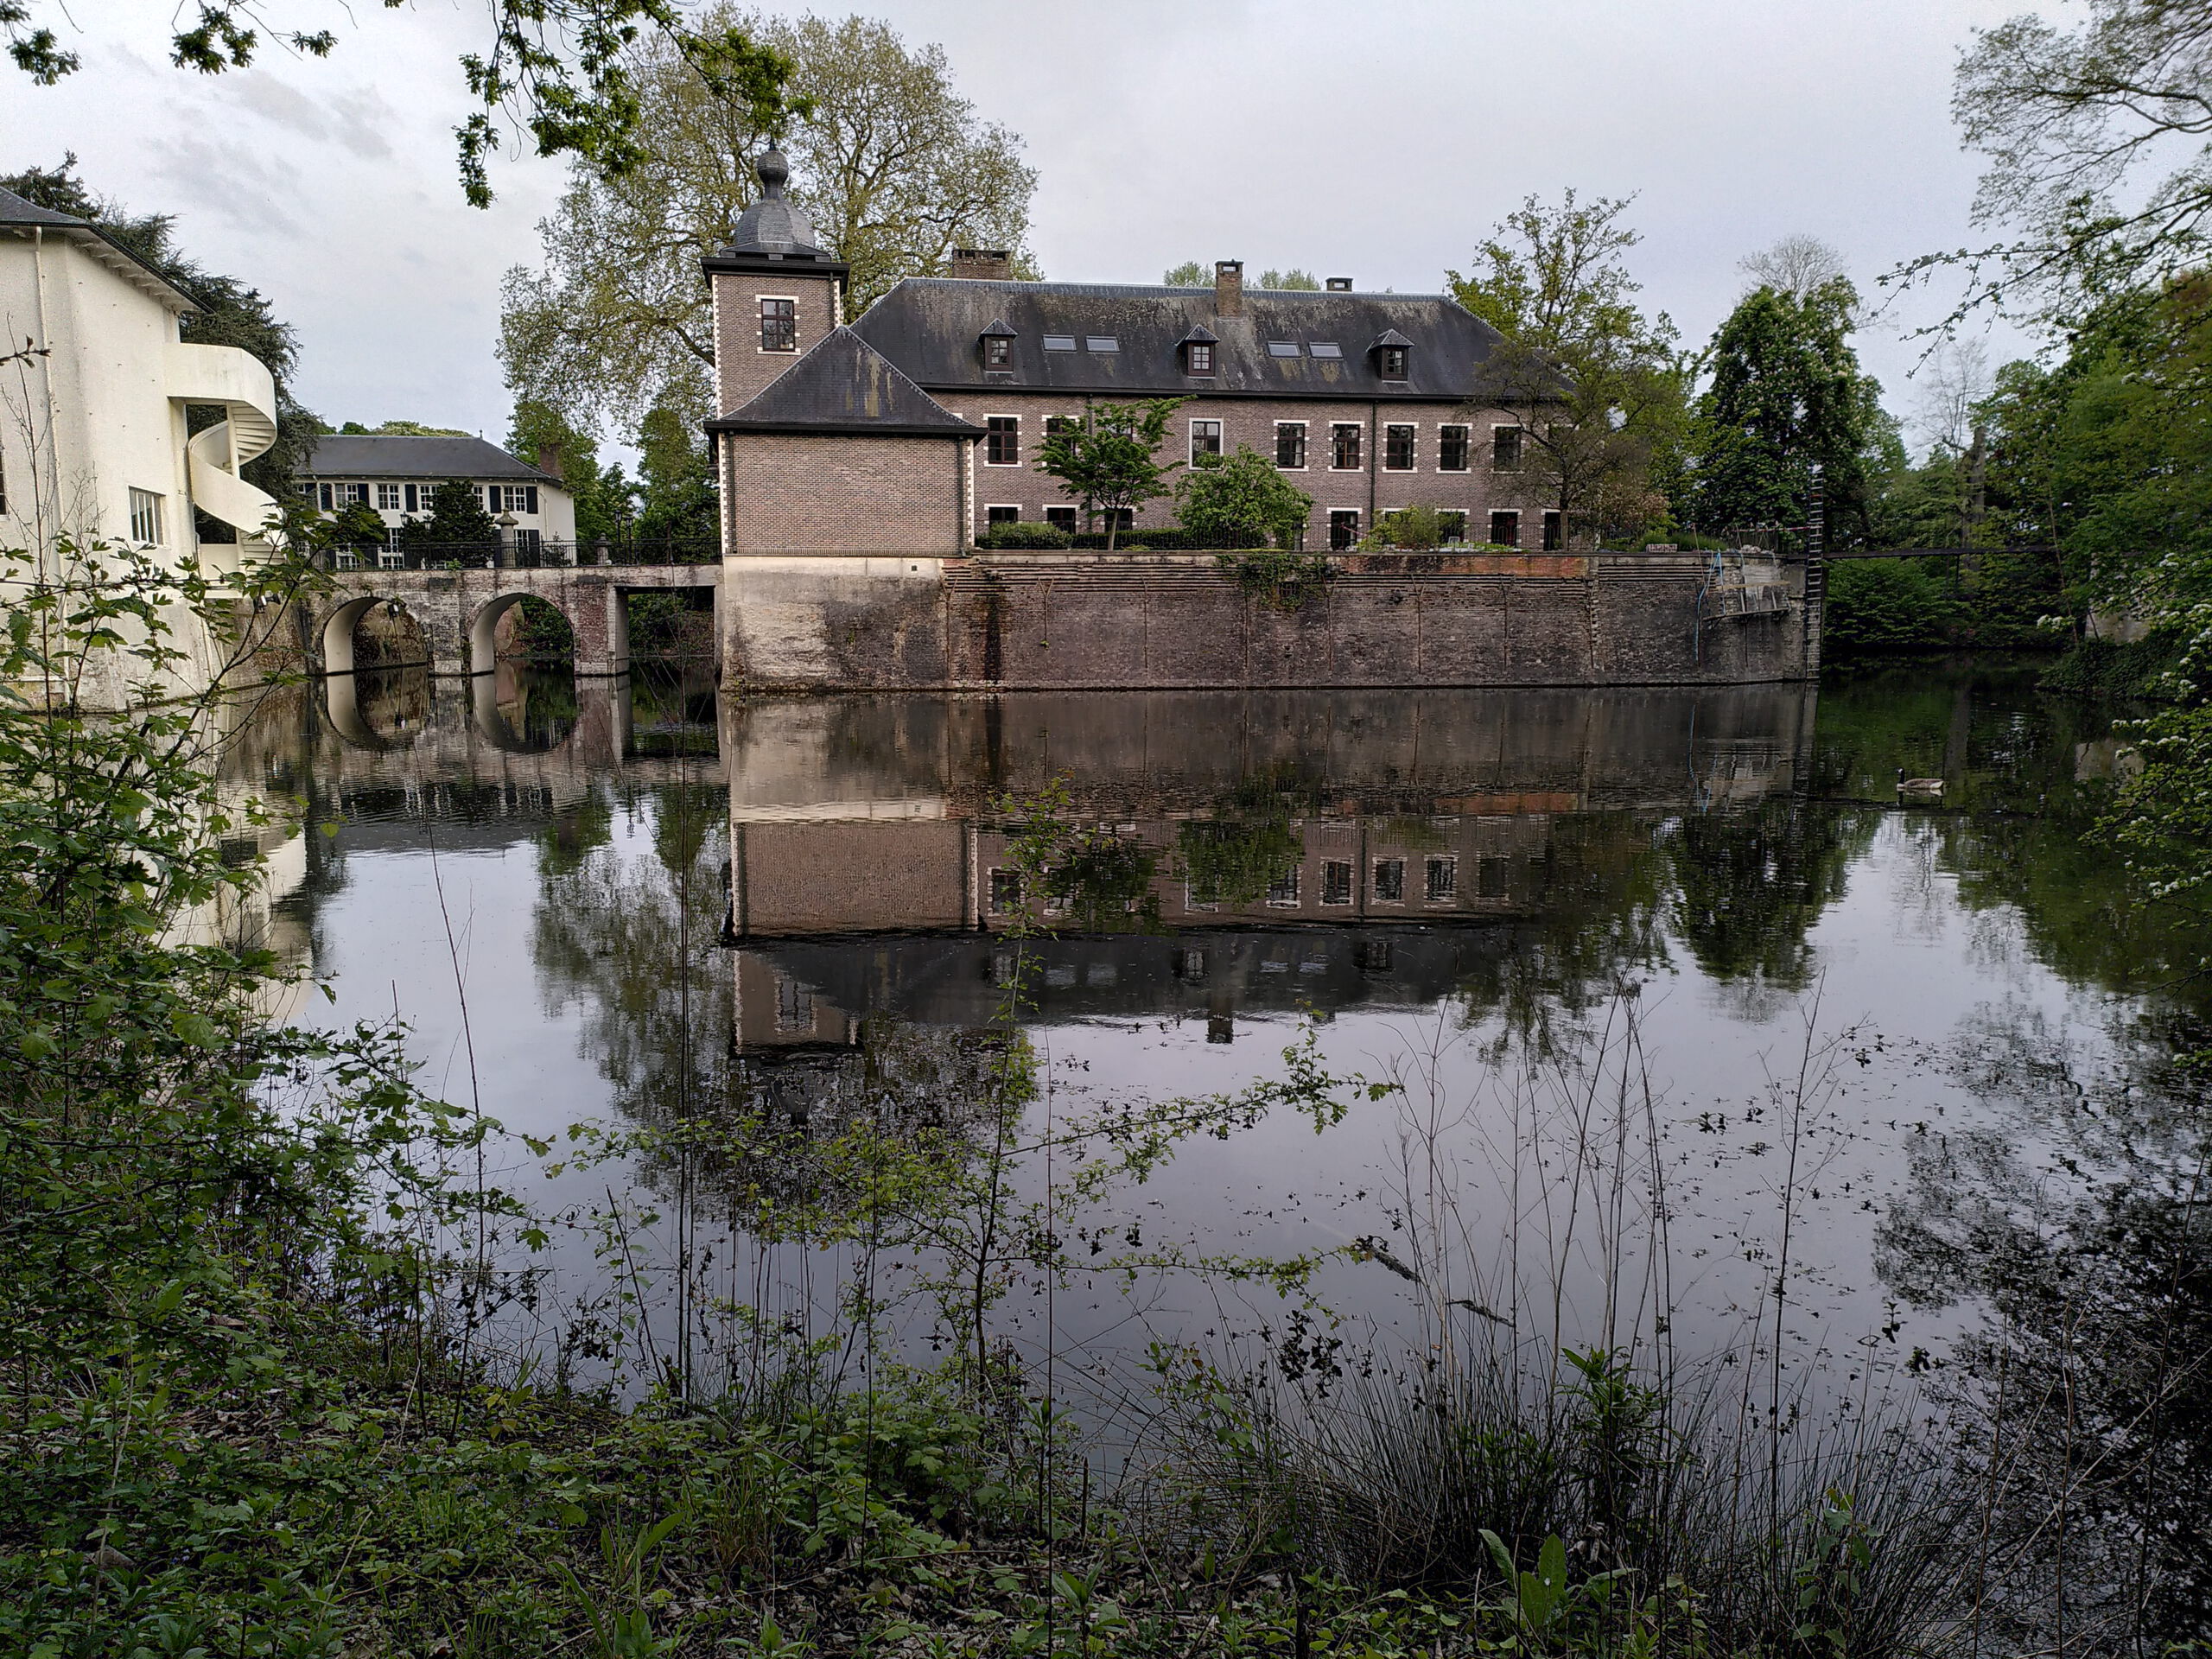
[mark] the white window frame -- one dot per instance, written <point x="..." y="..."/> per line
<point x="990" y="508"/>
<point x="1357" y="428"/>
<point x="1374" y="869"/>
<point x="1351" y="866"/>
<point x="1451" y="863"/>
<point x="758" y="350"/>
<point x="1491" y="528"/>
<point x="1220" y="435"/>
<point x="396" y="492"/>
<point x="148" y="526"/>
<point x="1388" y="427"/>
<point x="1002" y="415"/>
<point x="1354" y="515"/>
<point x="1074" y="517"/>
<point x="1305" y="446"/>
<point x="1465" y="526"/>
<point x="1522" y="454"/>
<point x="1442" y="426"/>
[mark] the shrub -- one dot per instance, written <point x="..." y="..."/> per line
<point x="1887" y="605"/>
<point x="1026" y="534"/>
<point x="1242" y="500"/>
<point x="1416" y="528"/>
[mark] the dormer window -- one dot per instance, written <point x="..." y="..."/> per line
<point x="1197" y="358"/>
<point x="1394" y="362"/>
<point x="1393" y="354"/>
<point x="998" y="352"/>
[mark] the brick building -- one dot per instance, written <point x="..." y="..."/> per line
<point x="916" y="427"/>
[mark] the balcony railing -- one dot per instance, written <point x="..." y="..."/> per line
<point x="508" y="555"/>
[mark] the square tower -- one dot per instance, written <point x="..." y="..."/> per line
<point x="776" y="293"/>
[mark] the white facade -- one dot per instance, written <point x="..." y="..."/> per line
<point x="93" y="442"/>
<point x="393" y="476"/>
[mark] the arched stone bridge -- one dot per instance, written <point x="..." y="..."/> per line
<point x="459" y="611"/>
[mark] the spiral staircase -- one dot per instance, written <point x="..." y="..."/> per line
<point x="237" y="383"/>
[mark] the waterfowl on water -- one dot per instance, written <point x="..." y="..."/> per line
<point x="1927" y="788"/>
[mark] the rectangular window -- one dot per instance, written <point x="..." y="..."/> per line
<point x="413" y="494"/>
<point x="1059" y="342"/>
<point x="1493" y="876"/>
<point x="998" y="352"/>
<point x="1391" y="880"/>
<point x="1006" y="891"/>
<point x="1002" y="441"/>
<point x="794" y="1004"/>
<point x="1336" y="881"/>
<point x="1327" y="348"/>
<point x="530" y="543"/>
<point x="1394" y="362"/>
<point x="1120" y="520"/>
<point x="1397" y="449"/>
<point x="1344" y="447"/>
<point x="1452" y="526"/>
<point x="1198" y="358"/>
<point x="1062" y="517"/>
<point x="510" y="498"/>
<point x="348" y="559"/>
<point x="1443" y="881"/>
<point x="1344" y="528"/>
<point x="1283" y="349"/>
<point x="1205" y="439"/>
<point x="1101" y="343"/>
<point x="1506" y="528"/>
<point x="1505" y="449"/>
<point x="1290" y="446"/>
<point x="388" y="497"/>
<point x="1554" y="538"/>
<point x="1283" y="890"/>
<point x="1001" y="515"/>
<point x="779" y="324"/>
<point x="146" y="518"/>
<point x="1451" y="448"/>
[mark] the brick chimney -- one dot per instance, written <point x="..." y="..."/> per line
<point x="1228" y="288"/>
<point x="983" y="264"/>
<point x="548" y="458"/>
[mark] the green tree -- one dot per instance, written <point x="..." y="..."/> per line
<point x="358" y="524"/>
<point x="1294" y="280"/>
<point x="605" y="499"/>
<point x="564" y="71"/>
<point x="1599" y="389"/>
<point x="1786" y="396"/>
<point x="404" y="430"/>
<point x="1189" y="273"/>
<point x="457" y="519"/>
<point x="895" y="167"/>
<point x="678" y="501"/>
<point x="1108" y="460"/>
<point x="1242" y="500"/>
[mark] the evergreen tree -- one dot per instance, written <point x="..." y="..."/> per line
<point x="457" y="519"/>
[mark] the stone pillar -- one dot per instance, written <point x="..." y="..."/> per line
<point x="601" y="620"/>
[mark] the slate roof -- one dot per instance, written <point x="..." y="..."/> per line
<point x="929" y="327"/>
<point x="13" y="210"/>
<point x="772" y="232"/>
<point x="354" y="454"/>
<point x="844" y="385"/>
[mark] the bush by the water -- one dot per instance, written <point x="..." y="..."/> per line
<point x="1025" y="533"/>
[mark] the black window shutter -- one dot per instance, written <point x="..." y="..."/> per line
<point x="530" y="497"/>
<point x="411" y="498"/>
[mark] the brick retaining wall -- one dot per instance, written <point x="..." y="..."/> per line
<point x="1069" y="620"/>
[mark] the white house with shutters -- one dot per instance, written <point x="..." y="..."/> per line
<point x="396" y="475"/>
<point x="96" y="382"/>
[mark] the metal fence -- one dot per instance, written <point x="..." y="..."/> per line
<point x="544" y="555"/>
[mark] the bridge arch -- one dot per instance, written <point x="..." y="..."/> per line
<point x="335" y="636"/>
<point x="484" y="625"/>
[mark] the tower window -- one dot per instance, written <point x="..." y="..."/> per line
<point x="779" y="325"/>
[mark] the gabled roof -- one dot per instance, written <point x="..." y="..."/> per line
<point x="998" y="330"/>
<point x="1390" y="337"/>
<point x="929" y="326"/>
<point x="365" y="455"/>
<point x="844" y="385"/>
<point x="17" y="212"/>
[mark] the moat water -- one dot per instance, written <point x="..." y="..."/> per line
<point x="1701" y="1037"/>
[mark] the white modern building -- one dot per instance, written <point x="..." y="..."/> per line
<point x="95" y="384"/>
<point x="394" y="475"/>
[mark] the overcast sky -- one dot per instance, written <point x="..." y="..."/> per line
<point x="1373" y="138"/>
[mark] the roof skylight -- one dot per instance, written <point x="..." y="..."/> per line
<point x="1325" y="349"/>
<point x="1059" y="342"/>
<point x="1101" y="343"/>
<point x="1282" y="349"/>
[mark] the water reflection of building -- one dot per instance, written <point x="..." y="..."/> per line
<point x="1268" y="854"/>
